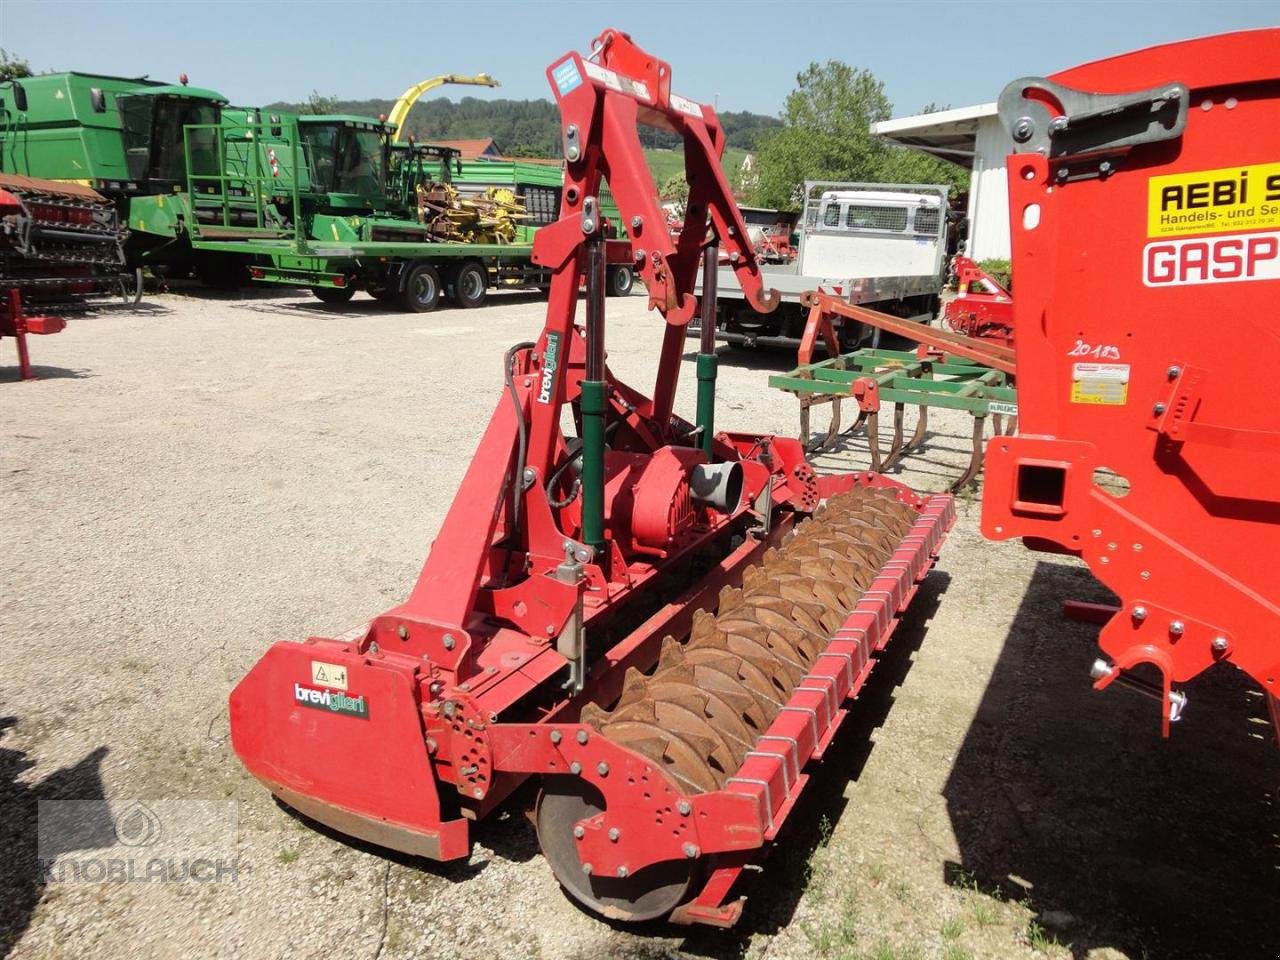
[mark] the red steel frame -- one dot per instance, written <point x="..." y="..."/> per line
<point x="451" y="698"/>
<point x="17" y="324"/>
<point x="1134" y="338"/>
<point x="823" y="306"/>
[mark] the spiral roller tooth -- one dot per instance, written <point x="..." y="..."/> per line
<point x="709" y="699"/>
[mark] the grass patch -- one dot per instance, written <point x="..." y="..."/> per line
<point x="984" y="913"/>
<point x="884" y="950"/>
<point x="287" y="856"/>
<point x="834" y="938"/>
<point x="1039" y="938"/>
<point x="952" y="928"/>
<point x="824" y="831"/>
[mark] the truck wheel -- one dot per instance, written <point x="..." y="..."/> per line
<point x="619" y="281"/>
<point x="421" y="289"/>
<point x="333" y="294"/>
<point x="470" y="285"/>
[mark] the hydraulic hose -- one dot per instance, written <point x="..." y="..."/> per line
<point x="522" y="429"/>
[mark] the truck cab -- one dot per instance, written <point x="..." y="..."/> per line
<point x="895" y="233"/>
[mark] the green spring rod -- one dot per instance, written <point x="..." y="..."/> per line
<point x="707" y="360"/>
<point x="594" y="400"/>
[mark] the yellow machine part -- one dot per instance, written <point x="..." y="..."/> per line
<point x="400" y="112"/>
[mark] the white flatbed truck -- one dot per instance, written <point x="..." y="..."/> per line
<point x="877" y="245"/>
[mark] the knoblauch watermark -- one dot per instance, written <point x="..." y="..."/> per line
<point x="137" y="841"/>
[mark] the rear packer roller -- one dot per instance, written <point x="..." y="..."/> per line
<point x="710" y="699"/>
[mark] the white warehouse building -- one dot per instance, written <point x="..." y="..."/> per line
<point x="969" y="137"/>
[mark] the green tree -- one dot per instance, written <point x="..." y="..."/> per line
<point x="11" y="68"/>
<point x="675" y="188"/>
<point x="826" y="135"/>
<point x="320" y="106"/>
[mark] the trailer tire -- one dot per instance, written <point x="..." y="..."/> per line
<point x="333" y="294"/>
<point x="619" y="280"/>
<point x="470" y="285"/>
<point x="421" y="289"/>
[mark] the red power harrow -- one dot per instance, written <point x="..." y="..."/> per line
<point x="660" y="622"/>
<point x="1145" y="199"/>
<point x="982" y="308"/>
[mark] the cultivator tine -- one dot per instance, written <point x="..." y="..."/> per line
<point x="895" y="448"/>
<point x="833" y="430"/>
<point x="922" y="428"/>
<point x="975" y="456"/>
<point x="873" y="440"/>
<point x="832" y="434"/>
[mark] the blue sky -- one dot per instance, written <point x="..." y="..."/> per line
<point x="744" y="54"/>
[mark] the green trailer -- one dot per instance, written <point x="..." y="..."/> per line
<point x="314" y="202"/>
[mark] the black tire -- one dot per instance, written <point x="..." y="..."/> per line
<point x="333" y="294"/>
<point x="619" y="280"/>
<point x="470" y="285"/>
<point x="421" y="292"/>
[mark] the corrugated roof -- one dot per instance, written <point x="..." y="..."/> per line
<point x="949" y="134"/>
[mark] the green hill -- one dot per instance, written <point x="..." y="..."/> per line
<point x="531" y="128"/>
<point x="665" y="163"/>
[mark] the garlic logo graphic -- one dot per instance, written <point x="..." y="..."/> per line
<point x="137" y="826"/>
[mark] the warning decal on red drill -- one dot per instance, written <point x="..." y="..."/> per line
<point x="1214" y="201"/>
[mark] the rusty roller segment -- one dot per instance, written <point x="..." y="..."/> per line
<point x="710" y="699"/>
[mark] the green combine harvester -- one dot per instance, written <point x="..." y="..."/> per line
<point x="325" y="202"/>
<point x="124" y="138"/>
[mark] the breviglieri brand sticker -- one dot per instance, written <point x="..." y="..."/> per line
<point x="1103" y="383"/>
<point x="334" y="701"/>
<point x="1246" y="197"/>
<point x="550" y="360"/>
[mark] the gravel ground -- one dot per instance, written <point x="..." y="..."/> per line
<point x="197" y="478"/>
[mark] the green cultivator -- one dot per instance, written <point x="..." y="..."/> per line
<point x="920" y="379"/>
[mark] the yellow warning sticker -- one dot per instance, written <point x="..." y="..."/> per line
<point x="1214" y="201"/>
<point x="1105" y="383"/>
